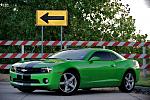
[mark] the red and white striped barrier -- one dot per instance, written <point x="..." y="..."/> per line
<point x="136" y="55"/>
<point x="45" y="55"/>
<point x="25" y="55"/>
<point x="75" y="43"/>
<point x="67" y="43"/>
<point x="7" y="66"/>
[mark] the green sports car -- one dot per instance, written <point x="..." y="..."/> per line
<point x="70" y="70"/>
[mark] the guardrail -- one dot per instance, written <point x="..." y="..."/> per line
<point x="69" y="43"/>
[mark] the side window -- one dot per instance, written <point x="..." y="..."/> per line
<point x="106" y="56"/>
<point x="113" y="56"/>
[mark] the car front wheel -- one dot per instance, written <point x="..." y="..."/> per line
<point x="69" y="83"/>
<point x="128" y="82"/>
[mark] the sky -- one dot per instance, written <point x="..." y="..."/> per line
<point x="140" y="10"/>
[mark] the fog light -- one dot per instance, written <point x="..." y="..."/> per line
<point x="45" y="80"/>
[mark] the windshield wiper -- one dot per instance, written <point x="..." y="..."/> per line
<point x="57" y="58"/>
<point x="69" y="59"/>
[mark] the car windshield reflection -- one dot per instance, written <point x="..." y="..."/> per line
<point x="70" y="55"/>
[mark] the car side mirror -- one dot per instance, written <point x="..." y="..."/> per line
<point x="95" y="59"/>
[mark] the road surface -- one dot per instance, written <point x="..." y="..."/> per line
<point x="7" y="92"/>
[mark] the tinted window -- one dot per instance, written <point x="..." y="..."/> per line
<point x="70" y="55"/>
<point x="108" y="56"/>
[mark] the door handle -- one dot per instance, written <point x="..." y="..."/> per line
<point x="113" y="65"/>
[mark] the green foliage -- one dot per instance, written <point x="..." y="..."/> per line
<point x="88" y="20"/>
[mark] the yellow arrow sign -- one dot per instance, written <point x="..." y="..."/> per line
<point x="51" y="18"/>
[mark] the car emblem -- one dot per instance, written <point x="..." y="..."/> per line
<point x="24" y="70"/>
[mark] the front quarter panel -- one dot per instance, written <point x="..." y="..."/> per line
<point x="57" y="72"/>
<point x="79" y="65"/>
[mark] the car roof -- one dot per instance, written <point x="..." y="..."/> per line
<point x="93" y="49"/>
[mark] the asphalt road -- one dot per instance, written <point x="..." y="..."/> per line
<point x="7" y="92"/>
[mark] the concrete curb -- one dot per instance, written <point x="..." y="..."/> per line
<point x="4" y="77"/>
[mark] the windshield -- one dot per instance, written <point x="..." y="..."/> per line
<point x="70" y="55"/>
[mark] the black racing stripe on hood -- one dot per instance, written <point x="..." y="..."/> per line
<point x="30" y="65"/>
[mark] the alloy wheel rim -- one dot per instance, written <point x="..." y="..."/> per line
<point x="68" y="82"/>
<point x="129" y="81"/>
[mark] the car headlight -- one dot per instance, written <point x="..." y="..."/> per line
<point x="46" y="70"/>
<point x="13" y="69"/>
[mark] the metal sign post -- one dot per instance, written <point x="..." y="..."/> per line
<point x="22" y="51"/>
<point x="42" y="31"/>
<point x="144" y="62"/>
<point x="61" y="36"/>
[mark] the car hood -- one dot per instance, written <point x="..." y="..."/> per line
<point x="39" y="64"/>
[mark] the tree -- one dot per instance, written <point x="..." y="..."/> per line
<point x="88" y="20"/>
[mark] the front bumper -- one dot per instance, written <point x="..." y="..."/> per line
<point x="35" y="80"/>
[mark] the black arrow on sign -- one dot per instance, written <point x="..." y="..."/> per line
<point x="45" y="18"/>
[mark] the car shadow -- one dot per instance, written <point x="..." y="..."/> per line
<point x="79" y="92"/>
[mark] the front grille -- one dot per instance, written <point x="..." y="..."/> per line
<point x="28" y="70"/>
<point x="26" y="80"/>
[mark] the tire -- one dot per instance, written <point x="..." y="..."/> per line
<point x="25" y="90"/>
<point x="128" y="82"/>
<point x="69" y="83"/>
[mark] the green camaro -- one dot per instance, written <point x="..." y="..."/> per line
<point x="69" y="70"/>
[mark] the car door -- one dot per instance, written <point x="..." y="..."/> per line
<point x="103" y="70"/>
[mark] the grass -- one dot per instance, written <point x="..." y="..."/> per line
<point x="144" y="81"/>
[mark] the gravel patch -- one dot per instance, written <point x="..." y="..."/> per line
<point x="142" y="90"/>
